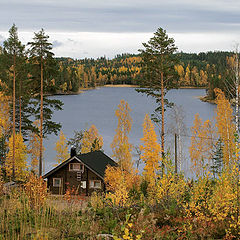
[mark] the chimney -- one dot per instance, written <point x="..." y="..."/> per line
<point x="73" y="152"/>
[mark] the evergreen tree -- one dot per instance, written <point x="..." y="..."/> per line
<point x="13" y="52"/>
<point x="159" y="75"/>
<point x="76" y="141"/>
<point x="217" y="160"/>
<point x="43" y="71"/>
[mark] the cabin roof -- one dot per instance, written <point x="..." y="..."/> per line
<point x="96" y="161"/>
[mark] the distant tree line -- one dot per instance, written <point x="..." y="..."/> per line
<point x="210" y="70"/>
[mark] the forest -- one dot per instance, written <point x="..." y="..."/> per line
<point x="158" y="203"/>
<point x="193" y="70"/>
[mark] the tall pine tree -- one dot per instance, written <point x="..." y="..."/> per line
<point x="43" y="71"/>
<point x="13" y="52"/>
<point x="159" y="75"/>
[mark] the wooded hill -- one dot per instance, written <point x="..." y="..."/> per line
<point x="210" y="70"/>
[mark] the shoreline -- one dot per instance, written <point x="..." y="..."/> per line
<point x="206" y="99"/>
<point x="81" y="90"/>
<point x="121" y="85"/>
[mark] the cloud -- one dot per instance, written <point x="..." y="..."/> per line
<point x="57" y="43"/>
<point x="2" y="39"/>
<point x="83" y="28"/>
<point x="121" y="16"/>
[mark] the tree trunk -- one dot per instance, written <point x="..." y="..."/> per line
<point x="162" y="103"/>
<point x="14" y="82"/>
<point x="41" y="122"/>
<point x="20" y="107"/>
<point x="162" y="134"/>
<point x="237" y="91"/>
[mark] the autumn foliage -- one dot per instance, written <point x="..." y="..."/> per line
<point x="20" y="158"/>
<point x="36" y="191"/>
<point x="61" y="148"/>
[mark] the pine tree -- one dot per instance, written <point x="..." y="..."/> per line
<point x="5" y="126"/>
<point x="42" y="58"/>
<point x="76" y="141"/>
<point x="217" y="160"/>
<point x="34" y="146"/>
<point x="159" y="74"/>
<point x="13" y="50"/>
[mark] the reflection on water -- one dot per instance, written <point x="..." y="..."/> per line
<point x="98" y="106"/>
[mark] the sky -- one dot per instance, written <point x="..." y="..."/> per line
<point x="95" y="28"/>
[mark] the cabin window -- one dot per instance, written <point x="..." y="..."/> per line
<point x="83" y="184"/>
<point x="76" y="167"/>
<point x="57" y="182"/>
<point x="95" y="184"/>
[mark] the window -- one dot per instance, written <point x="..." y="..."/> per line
<point x="57" y="182"/>
<point x="95" y="184"/>
<point x="83" y="184"/>
<point x="76" y="167"/>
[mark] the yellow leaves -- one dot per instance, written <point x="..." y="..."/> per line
<point x="36" y="190"/>
<point x="120" y="146"/>
<point x="202" y="143"/>
<point x="20" y="163"/>
<point x="61" y="149"/>
<point x="5" y="123"/>
<point x="96" y="201"/>
<point x="225" y="126"/>
<point x="151" y="151"/>
<point x="120" y="196"/>
<point x="63" y="87"/>
<point x="91" y="141"/>
<point x="114" y="176"/>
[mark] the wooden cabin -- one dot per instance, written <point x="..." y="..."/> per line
<point x="83" y="172"/>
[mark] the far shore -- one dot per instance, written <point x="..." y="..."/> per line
<point x="81" y="90"/>
<point x="121" y="85"/>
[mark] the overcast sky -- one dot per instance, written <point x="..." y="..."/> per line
<point x="93" y="28"/>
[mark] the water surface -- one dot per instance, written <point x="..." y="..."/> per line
<point x="98" y="107"/>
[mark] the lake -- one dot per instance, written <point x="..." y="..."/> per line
<point x="98" y="107"/>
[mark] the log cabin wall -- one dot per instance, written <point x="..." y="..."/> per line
<point x="71" y="180"/>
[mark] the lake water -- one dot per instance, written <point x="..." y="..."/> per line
<point x="98" y="107"/>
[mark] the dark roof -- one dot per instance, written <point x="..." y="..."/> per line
<point x="96" y="161"/>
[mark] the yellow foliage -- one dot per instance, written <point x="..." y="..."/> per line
<point x="151" y="151"/>
<point x="120" y="146"/>
<point x="170" y="186"/>
<point x="61" y="149"/>
<point x="187" y="76"/>
<point x="63" y="87"/>
<point x="20" y="164"/>
<point x="214" y="203"/>
<point x="5" y="123"/>
<point x="203" y="77"/>
<point x="91" y="140"/>
<point x="202" y="143"/>
<point x="226" y="128"/>
<point x="96" y="201"/>
<point x="114" y="174"/>
<point x="36" y="190"/>
<point x="120" y="196"/>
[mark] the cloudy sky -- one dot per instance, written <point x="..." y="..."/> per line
<point x="93" y="28"/>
